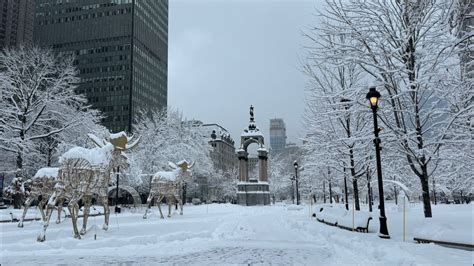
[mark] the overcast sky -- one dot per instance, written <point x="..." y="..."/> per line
<point x="226" y="55"/>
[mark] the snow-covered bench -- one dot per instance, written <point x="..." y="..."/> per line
<point x="450" y="231"/>
<point x="361" y="221"/>
<point x="342" y="218"/>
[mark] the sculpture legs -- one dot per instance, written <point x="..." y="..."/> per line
<point x="87" y="207"/>
<point x="49" y="210"/>
<point x="105" y="203"/>
<point x="74" y="209"/>
<point x="60" y="209"/>
<point x="41" y="205"/>
<point x="158" y="202"/>
<point x="28" y="202"/>
<point x="180" y="202"/>
<point x="170" y="203"/>
<point x="149" y="201"/>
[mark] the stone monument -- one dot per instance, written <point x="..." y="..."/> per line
<point x="252" y="191"/>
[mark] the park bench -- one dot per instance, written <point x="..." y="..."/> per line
<point x="361" y="221"/>
<point x="445" y="243"/>
<point x="343" y="219"/>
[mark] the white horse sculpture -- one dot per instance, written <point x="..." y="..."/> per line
<point x="85" y="172"/>
<point x="41" y="188"/>
<point x="169" y="185"/>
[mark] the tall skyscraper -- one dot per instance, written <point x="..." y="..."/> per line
<point x="119" y="80"/>
<point x="277" y="135"/>
<point x="16" y="22"/>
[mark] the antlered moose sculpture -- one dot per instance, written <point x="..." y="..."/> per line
<point x="42" y="186"/>
<point x="169" y="185"/>
<point x="85" y="172"/>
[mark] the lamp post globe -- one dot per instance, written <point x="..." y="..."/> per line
<point x="373" y="96"/>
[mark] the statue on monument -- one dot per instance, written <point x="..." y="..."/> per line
<point x="251" y="113"/>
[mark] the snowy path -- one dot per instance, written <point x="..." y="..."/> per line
<point x="216" y="234"/>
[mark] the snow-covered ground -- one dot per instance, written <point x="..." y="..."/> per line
<point x="228" y="234"/>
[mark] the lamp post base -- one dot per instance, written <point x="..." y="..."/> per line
<point x="383" y="233"/>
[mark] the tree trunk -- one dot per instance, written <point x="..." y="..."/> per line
<point x="324" y="191"/>
<point x="354" y="180"/>
<point x="19" y="160"/>
<point x="356" y="194"/>
<point x="330" y="193"/>
<point x="426" y="192"/>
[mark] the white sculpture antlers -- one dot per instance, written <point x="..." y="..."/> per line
<point x="85" y="172"/>
<point x="169" y="185"/>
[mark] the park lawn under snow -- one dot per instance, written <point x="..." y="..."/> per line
<point x="228" y="234"/>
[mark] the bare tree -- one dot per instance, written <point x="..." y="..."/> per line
<point x="37" y="100"/>
<point x="167" y="136"/>
<point x="408" y="47"/>
<point x="335" y="119"/>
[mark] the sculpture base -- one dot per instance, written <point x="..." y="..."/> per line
<point x="253" y="193"/>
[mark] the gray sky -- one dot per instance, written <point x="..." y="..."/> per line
<point x="226" y="55"/>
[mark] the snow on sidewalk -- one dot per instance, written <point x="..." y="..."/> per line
<point x="215" y="234"/>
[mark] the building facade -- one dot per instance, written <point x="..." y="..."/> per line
<point x="223" y="150"/>
<point x="120" y="49"/>
<point x="277" y="135"/>
<point x="16" y="22"/>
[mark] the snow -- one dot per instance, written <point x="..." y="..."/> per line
<point x="96" y="156"/>
<point x="341" y="216"/>
<point x="457" y="229"/>
<point x="47" y="172"/>
<point x="251" y="133"/>
<point x="118" y="135"/>
<point x="167" y="175"/>
<point x="219" y="234"/>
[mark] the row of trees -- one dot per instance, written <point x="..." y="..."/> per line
<point x="415" y="53"/>
<point x="42" y="117"/>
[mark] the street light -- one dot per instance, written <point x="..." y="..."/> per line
<point x="117" y="208"/>
<point x="295" y="164"/>
<point x="292" y="189"/>
<point x="373" y="97"/>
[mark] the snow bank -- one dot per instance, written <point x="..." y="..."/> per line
<point x="446" y="229"/>
<point x="294" y="207"/>
<point x="96" y="156"/>
<point x="344" y="218"/>
<point x="332" y="215"/>
<point x="360" y="219"/>
<point x="47" y="172"/>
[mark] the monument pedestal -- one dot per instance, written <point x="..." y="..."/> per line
<point x="253" y="193"/>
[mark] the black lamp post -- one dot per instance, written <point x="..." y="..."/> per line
<point x="373" y="97"/>
<point x="117" y="208"/>
<point x="293" y="189"/>
<point x="346" y="196"/>
<point x="295" y="164"/>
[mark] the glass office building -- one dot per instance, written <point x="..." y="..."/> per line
<point x="16" y="22"/>
<point x="277" y="135"/>
<point x="120" y="49"/>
